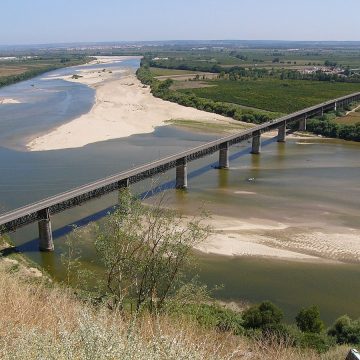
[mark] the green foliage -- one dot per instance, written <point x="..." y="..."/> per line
<point x="41" y="68"/>
<point x="213" y="316"/>
<point x="308" y="320"/>
<point x="346" y="331"/>
<point x="163" y="91"/>
<point x="145" y="251"/>
<point x="328" y="128"/>
<point x="260" y="316"/>
<point x="271" y="94"/>
<point x="319" y="342"/>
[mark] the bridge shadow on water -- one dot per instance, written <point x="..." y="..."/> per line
<point x="32" y="245"/>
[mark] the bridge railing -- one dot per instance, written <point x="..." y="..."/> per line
<point x="41" y="210"/>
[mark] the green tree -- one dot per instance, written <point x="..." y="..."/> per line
<point x="346" y="331"/>
<point x="146" y="250"/>
<point x="308" y="320"/>
<point x="262" y="315"/>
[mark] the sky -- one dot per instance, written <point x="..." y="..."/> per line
<point x="51" y="21"/>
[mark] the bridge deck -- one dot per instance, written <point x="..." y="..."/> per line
<point x="34" y="212"/>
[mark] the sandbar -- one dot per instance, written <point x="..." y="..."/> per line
<point x="123" y="107"/>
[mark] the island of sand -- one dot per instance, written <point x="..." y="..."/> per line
<point x="123" y="107"/>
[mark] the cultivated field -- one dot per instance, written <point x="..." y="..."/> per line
<point x="283" y="96"/>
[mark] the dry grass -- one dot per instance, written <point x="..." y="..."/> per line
<point x="7" y="71"/>
<point x="350" y="119"/>
<point x="42" y="323"/>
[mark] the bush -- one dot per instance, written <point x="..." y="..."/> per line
<point x="346" y="331"/>
<point x="308" y="320"/>
<point x="319" y="342"/>
<point x="262" y="315"/>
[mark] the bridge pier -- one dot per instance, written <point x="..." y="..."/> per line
<point x="256" y="143"/>
<point x="224" y="156"/>
<point x="181" y="174"/>
<point x="45" y="234"/>
<point x="335" y="106"/>
<point x="302" y="124"/>
<point x="282" y="132"/>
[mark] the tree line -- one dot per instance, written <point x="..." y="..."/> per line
<point x="325" y="126"/>
<point x="59" y="63"/>
<point x="238" y="72"/>
<point x="162" y="89"/>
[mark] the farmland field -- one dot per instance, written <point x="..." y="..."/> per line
<point x="21" y="69"/>
<point x="283" y="96"/>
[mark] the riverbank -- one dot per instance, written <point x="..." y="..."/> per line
<point x="123" y="107"/>
<point x="264" y="238"/>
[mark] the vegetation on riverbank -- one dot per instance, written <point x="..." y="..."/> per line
<point x="330" y="125"/>
<point x="18" y="70"/>
<point x="50" y="322"/>
<point x="275" y="95"/>
<point x="162" y="89"/>
<point x="144" y="307"/>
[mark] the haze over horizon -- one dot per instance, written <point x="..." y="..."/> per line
<point x="44" y="22"/>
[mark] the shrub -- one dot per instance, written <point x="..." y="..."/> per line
<point x="262" y="315"/>
<point x="308" y="320"/>
<point x="346" y="331"/>
<point x="319" y="342"/>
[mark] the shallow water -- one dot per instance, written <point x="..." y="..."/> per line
<point x="304" y="182"/>
<point x="46" y="102"/>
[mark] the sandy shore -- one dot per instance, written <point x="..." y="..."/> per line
<point x="123" y="107"/>
<point x="271" y="239"/>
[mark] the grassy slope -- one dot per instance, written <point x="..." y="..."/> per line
<point x="284" y="96"/>
<point x="42" y="322"/>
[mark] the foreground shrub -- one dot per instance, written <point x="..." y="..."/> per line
<point x="262" y="315"/>
<point x="346" y="331"/>
<point x="319" y="342"/>
<point x="212" y="316"/>
<point x="308" y="320"/>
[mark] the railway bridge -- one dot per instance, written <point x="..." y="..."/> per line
<point x="42" y="211"/>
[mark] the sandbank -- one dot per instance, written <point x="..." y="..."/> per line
<point x="123" y="107"/>
<point x="271" y="239"/>
<point x="9" y="101"/>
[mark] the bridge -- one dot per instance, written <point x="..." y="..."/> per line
<point x="42" y="211"/>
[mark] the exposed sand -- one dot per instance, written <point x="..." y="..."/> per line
<point x="123" y="107"/>
<point x="265" y="238"/>
<point x="9" y="101"/>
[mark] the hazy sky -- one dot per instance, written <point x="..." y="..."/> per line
<point x="51" y="21"/>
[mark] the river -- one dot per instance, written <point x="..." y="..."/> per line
<point x="311" y="185"/>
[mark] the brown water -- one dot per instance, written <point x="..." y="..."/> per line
<point x="313" y="185"/>
<point x="304" y="182"/>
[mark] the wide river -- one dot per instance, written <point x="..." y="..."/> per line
<point x="313" y="181"/>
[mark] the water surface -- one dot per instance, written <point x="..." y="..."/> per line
<point x="304" y="182"/>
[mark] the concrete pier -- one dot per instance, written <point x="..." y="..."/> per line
<point x="302" y="124"/>
<point x="45" y="234"/>
<point x="282" y="133"/>
<point x="224" y="156"/>
<point x="181" y="174"/>
<point x="256" y="143"/>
